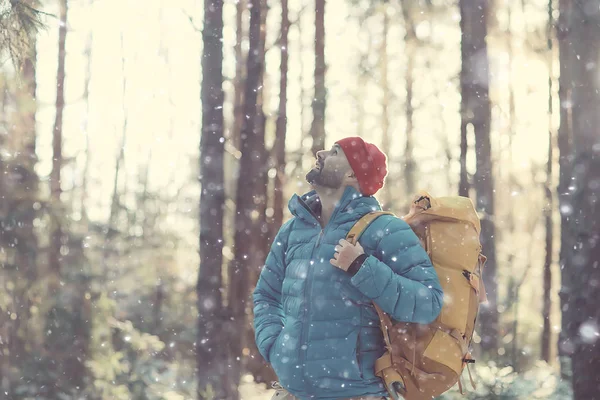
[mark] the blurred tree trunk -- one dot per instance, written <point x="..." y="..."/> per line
<point x="257" y="366"/>
<point x="18" y="240"/>
<point x="26" y="195"/>
<point x="410" y="42"/>
<point x="251" y="230"/>
<point x="579" y="43"/>
<point x="238" y="85"/>
<point x="565" y="148"/>
<point x="385" y="104"/>
<point x="304" y="133"/>
<point x="466" y="51"/>
<point x="54" y="261"/>
<point x="317" y="129"/>
<point x="111" y="227"/>
<point x="515" y="294"/>
<point x="463" y="184"/>
<point x="514" y="285"/>
<point x="57" y="215"/>
<point x="281" y="126"/>
<point x="364" y="74"/>
<point x="512" y="114"/>
<point x="6" y="324"/>
<point x="66" y="317"/>
<point x="85" y="125"/>
<point x="211" y="343"/>
<point x="549" y="209"/>
<point x="476" y="111"/>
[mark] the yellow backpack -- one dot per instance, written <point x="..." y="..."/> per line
<point x="424" y="361"/>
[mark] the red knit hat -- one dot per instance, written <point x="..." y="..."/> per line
<point x="367" y="162"/>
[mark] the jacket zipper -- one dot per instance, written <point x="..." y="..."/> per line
<point x="303" y="341"/>
<point x="304" y="338"/>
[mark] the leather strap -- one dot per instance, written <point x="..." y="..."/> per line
<point x="355" y="232"/>
<point x="362" y="224"/>
<point x="481" y="289"/>
<point x="383" y="362"/>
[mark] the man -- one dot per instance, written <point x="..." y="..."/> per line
<point x="313" y="314"/>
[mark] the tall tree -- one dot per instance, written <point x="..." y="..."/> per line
<point x="26" y="194"/>
<point x="579" y="46"/>
<point x="210" y="343"/>
<point x="466" y="52"/>
<point x="66" y="318"/>
<point x="18" y="239"/>
<point x="476" y="111"/>
<point x="410" y="42"/>
<point x="240" y="74"/>
<point x="385" y="104"/>
<point x="364" y="75"/>
<point x="250" y="227"/>
<point x="85" y="123"/>
<point x="317" y="129"/>
<point x="120" y="160"/>
<point x="57" y="158"/>
<point x="565" y="148"/>
<point x="549" y="250"/>
<point x="281" y="125"/>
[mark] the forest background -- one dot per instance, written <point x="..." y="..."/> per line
<point x="148" y="150"/>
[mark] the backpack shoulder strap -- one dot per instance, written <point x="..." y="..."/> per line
<point x="359" y="227"/>
<point x="362" y="224"/>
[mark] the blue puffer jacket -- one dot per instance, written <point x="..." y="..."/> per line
<point x="314" y="322"/>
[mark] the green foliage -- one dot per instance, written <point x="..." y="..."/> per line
<point x="494" y="383"/>
<point x="126" y="363"/>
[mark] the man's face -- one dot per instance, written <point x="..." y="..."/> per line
<point x="330" y="170"/>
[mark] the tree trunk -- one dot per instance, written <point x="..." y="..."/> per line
<point x="111" y="227"/>
<point x="565" y="148"/>
<point x="85" y="125"/>
<point x="238" y="86"/>
<point x="6" y="325"/>
<point x="476" y="111"/>
<point x="26" y="159"/>
<point x="281" y="126"/>
<point x="363" y="79"/>
<point x="250" y="227"/>
<point x="410" y="43"/>
<point x="547" y="280"/>
<point x="317" y="128"/>
<point x="303" y="133"/>
<point x="466" y="51"/>
<point x="512" y="114"/>
<point x="54" y="261"/>
<point x="18" y="239"/>
<point x="385" y="104"/>
<point x="463" y="184"/>
<point x="211" y="344"/>
<point x="579" y="42"/>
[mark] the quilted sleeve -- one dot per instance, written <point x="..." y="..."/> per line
<point x="399" y="276"/>
<point x="268" y="313"/>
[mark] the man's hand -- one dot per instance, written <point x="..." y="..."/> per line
<point x="345" y="254"/>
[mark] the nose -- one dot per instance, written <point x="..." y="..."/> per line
<point x="321" y="155"/>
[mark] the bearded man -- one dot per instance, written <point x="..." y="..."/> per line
<point x="314" y="319"/>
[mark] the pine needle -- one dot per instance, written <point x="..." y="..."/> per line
<point x="20" y="21"/>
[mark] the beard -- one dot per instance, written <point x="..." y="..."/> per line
<point x="321" y="177"/>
